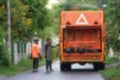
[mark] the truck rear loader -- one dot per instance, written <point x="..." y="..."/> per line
<point x="82" y="39"/>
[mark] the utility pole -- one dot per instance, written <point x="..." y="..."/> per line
<point x="9" y="30"/>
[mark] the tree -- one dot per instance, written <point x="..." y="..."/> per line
<point x="3" y="20"/>
<point x="20" y="24"/>
<point x="113" y="22"/>
<point x="39" y="15"/>
<point x="80" y="4"/>
<point x="27" y="17"/>
<point x="3" y="27"/>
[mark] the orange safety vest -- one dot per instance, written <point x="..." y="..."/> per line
<point x="35" y="51"/>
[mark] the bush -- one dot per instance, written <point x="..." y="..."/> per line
<point x="3" y="56"/>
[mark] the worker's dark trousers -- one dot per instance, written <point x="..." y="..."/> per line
<point x="49" y="64"/>
<point x="35" y="63"/>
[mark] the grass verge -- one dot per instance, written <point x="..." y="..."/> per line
<point x="111" y="73"/>
<point x="111" y="60"/>
<point x="22" y="66"/>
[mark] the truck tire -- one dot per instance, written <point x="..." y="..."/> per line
<point x="62" y="67"/>
<point x="102" y="66"/>
<point x="68" y="66"/>
<point x="99" y="66"/>
<point x="96" y="68"/>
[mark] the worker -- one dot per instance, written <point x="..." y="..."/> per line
<point x="48" y="55"/>
<point x="35" y="54"/>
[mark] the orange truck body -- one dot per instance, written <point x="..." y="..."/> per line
<point x="82" y="38"/>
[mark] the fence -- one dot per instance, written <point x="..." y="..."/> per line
<point x="112" y="53"/>
<point x="21" y="50"/>
<point x="117" y="55"/>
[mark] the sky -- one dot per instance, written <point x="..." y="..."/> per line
<point x="51" y="3"/>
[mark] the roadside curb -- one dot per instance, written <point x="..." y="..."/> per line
<point x="112" y="65"/>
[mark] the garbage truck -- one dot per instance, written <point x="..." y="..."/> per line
<point x="82" y="39"/>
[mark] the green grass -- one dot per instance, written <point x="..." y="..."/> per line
<point x="111" y="60"/>
<point x="22" y="66"/>
<point x="111" y="73"/>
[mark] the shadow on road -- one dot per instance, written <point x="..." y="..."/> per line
<point x="80" y="70"/>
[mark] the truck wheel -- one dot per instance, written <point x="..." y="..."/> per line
<point x="68" y="67"/>
<point x="62" y="67"/>
<point x="96" y="67"/>
<point x="99" y="66"/>
<point x="102" y="66"/>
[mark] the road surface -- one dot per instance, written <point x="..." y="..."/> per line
<point x="58" y="75"/>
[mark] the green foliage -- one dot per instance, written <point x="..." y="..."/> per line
<point x="38" y="13"/>
<point x="3" y="56"/>
<point x="81" y="4"/>
<point x="112" y="23"/>
<point x="23" y="65"/>
<point x="3" y="20"/>
<point x="3" y="27"/>
<point x="111" y="73"/>
<point x="27" y="17"/>
<point x="20" y="28"/>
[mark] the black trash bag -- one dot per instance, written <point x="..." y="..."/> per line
<point x="68" y="50"/>
<point x="80" y="50"/>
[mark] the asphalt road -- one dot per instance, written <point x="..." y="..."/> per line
<point x="78" y="73"/>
